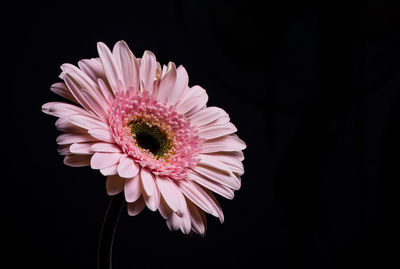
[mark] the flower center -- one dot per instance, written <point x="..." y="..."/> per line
<point x="150" y="138"/>
<point x="153" y="134"/>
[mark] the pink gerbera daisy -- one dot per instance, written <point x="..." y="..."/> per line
<point x="151" y="134"/>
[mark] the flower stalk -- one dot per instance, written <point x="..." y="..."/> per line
<point x="107" y="234"/>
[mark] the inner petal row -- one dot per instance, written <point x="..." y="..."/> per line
<point x="154" y="134"/>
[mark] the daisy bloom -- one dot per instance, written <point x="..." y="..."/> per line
<point x="150" y="134"/>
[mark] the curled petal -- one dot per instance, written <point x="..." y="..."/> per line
<point x="81" y="148"/>
<point x="62" y="90"/>
<point x="102" y="134"/>
<point x="172" y="195"/>
<point x="232" y="158"/>
<point x="201" y="198"/>
<point x="133" y="189"/>
<point x="164" y="209"/>
<point x="193" y="100"/>
<point x="92" y="68"/>
<point x="87" y="122"/>
<point x="174" y="222"/>
<point x="77" y="160"/>
<point x="115" y="184"/>
<point x="152" y="201"/>
<point x="148" y="181"/>
<point x="70" y="138"/>
<point x="134" y="208"/>
<point x="60" y="109"/>
<point x="211" y="184"/>
<point x="103" y="160"/>
<point x="128" y="168"/>
<point x="198" y="219"/>
<point x="217" y="171"/>
<point x="109" y="171"/>
<point x="98" y="105"/>
<point x="207" y="116"/>
<point x="215" y="131"/>
<point x="64" y="149"/>
<point x="65" y="125"/>
<point x="224" y="143"/>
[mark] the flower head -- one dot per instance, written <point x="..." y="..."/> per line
<point x="151" y="134"/>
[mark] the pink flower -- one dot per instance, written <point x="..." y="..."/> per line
<point x="151" y="134"/>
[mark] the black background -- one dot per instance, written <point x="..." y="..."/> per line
<point x="313" y="89"/>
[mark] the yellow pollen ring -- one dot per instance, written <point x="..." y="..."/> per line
<point x="153" y="137"/>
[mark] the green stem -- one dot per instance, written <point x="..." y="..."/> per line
<point x="107" y="234"/>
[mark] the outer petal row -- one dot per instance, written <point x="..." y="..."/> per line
<point x="179" y="203"/>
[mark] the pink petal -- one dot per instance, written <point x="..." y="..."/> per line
<point x="207" y="116"/>
<point x="219" y="162"/>
<point x="214" y="131"/>
<point x="98" y="105"/>
<point x="64" y="150"/>
<point x="217" y="206"/>
<point x="148" y="181"/>
<point x="77" y="160"/>
<point x="170" y="192"/>
<point x="182" y="221"/>
<point x="167" y="83"/>
<point x="76" y="90"/>
<point x="82" y="79"/>
<point x="151" y="193"/>
<point x="63" y="124"/>
<point x="105" y="147"/>
<point x="152" y="201"/>
<point x="136" y="207"/>
<point x="128" y="65"/>
<point x="195" y="99"/>
<point x="128" y="168"/>
<point x="148" y="67"/>
<point x="221" y="120"/>
<point x="92" y="68"/>
<point x="106" y="91"/>
<point x="132" y="189"/>
<point x="69" y="138"/>
<point x="102" y="134"/>
<point x="198" y="196"/>
<point x="60" y="109"/>
<point x="218" y="175"/>
<point x="110" y="67"/>
<point x="164" y="70"/>
<point x="115" y="184"/>
<point x="235" y="165"/>
<point x="211" y="185"/>
<point x="164" y="209"/>
<point x="103" y="160"/>
<point x="62" y="90"/>
<point x="109" y="171"/>
<point x="186" y="225"/>
<point x="228" y="156"/>
<point x="224" y="143"/>
<point x="182" y="80"/>
<point x="174" y="222"/>
<point x="197" y="219"/>
<point x="87" y="122"/>
<point x="81" y="148"/>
